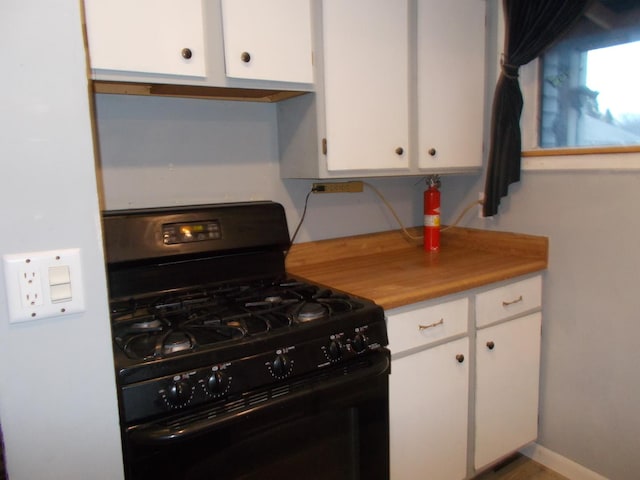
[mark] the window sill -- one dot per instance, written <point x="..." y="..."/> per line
<point x="596" y="158"/>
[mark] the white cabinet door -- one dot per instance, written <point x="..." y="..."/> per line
<point x="507" y="379"/>
<point x="268" y="40"/>
<point x="366" y="84"/>
<point x="147" y="36"/>
<point x="451" y="71"/>
<point x="428" y="402"/>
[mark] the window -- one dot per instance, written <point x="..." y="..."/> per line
<point x="590" y="81"/>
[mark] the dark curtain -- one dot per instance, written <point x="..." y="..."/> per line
<point x="530" y="27"/>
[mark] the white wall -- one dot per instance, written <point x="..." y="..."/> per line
<point x="58" y="406"/>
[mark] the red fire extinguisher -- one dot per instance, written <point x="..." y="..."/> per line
<point x="432" y="214"/>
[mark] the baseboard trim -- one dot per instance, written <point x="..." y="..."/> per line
<point x="560" y="464"/>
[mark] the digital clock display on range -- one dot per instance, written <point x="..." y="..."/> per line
<point x="173" y="233"/>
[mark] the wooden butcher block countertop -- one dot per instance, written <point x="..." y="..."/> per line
<point x="394" y="271"/>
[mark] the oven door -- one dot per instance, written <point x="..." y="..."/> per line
<point x="330" y="425"/>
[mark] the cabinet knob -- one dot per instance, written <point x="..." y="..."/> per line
<point x="399" y="150"/>
<point x="460" y="358"/>
<point x="186" y="53"/>
<point x="432" y="152"/>
<point x="245" y="57"/>
<point x="490" y="344"/>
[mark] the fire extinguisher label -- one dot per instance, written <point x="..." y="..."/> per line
<point x="432" y="220"/>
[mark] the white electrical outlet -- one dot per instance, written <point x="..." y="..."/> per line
<point x="43" y="284"/>
<point x="30" y="285"/>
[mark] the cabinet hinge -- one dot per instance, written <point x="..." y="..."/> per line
<point x="324" y="146"/>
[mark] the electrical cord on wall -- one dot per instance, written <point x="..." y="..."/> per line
<point x="403" y="228"/>
<point x="405" y="232"/>
<point x="304" y="213"/>
<point x="393" y="212"/>
<point x="464" y="212"/>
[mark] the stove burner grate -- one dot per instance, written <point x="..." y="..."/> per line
<point x="176" y="322"/>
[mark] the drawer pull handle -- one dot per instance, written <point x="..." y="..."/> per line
<point x="491" y="345"/>
<point x="517" y="300"/>
<point x="424" y="327"/>
<point x="460" y="358"/>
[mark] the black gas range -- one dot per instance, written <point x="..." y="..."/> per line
<point x="214" y="342"/>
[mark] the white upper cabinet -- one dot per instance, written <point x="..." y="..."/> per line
<point x="268" y="40"/>
<point x="451" y="71"/>
<point x="202" y="43"/>
<point x="399" y="91"/>
<point x="150" y="36"/>
<point x="365" y="46"/>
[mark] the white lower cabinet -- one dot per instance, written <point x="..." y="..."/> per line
<point x="429" y="390"/>
<point x="441" y="359"/>
<point x="428" y="413"/>
<point x="507" y="373"/>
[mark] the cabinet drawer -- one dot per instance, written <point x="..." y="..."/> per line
<point x="508" y="300"/>
<point x="415" y="325"/>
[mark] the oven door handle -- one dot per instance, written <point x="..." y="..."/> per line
<point x="340" y="390"/>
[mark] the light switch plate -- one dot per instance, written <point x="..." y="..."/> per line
<point x="31" y="278"/>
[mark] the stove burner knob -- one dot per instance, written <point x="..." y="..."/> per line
<point x="281" y="366"/>
<point x="179" y="392"/>
<point x="218" y="382"/>
<point x="360" y="343"/>
<point x="335" y="350"/>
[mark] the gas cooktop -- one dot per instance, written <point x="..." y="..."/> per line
<point x="173" y="323"/>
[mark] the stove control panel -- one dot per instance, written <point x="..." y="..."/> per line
<point x="234" y="378"/>
<point x="173" y="233"/>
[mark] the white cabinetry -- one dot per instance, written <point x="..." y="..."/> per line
<point x="151" y="36"/>
<point x="507" y="373"/>
<point x="507" y="369"/>
<point x="268" y="40"/>
<point x="439" y="364"/>
<point x="396" y="80"/>
<point x="450" y="83"/>
<point x="428" y="413"/>
<point x="184" y="43"/>
<point x="365" y="46"/>
<point x="429" y="390"/>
